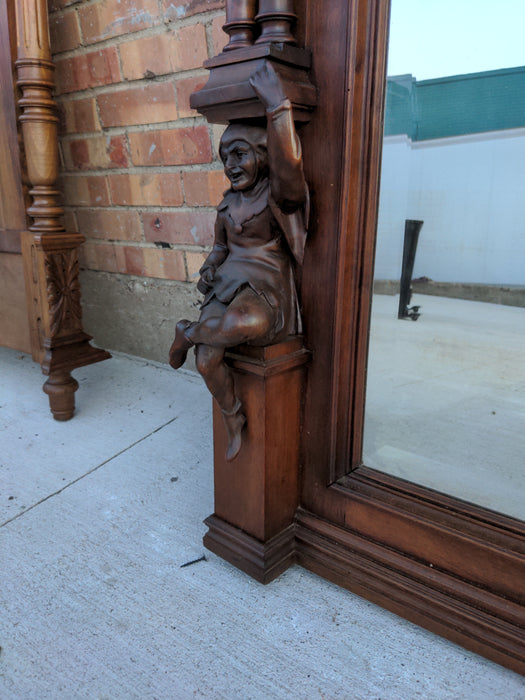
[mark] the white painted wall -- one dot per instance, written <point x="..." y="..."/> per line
<point x="470" y="192"/>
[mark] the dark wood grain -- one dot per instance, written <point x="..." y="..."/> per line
<point x="447" y="565"/>
<point x="452" y="567"/>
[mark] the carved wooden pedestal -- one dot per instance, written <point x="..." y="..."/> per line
<point x="256" y="495"/>
<point x="50" y="253"/>
<point x="58" y="340"/>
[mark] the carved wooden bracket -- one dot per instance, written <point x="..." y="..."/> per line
<point x="257" y="36"/>
<point x="50" y="253"/>
<point x="229" y="96"/>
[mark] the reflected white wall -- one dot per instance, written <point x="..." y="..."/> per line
<point x="470" y="192"/>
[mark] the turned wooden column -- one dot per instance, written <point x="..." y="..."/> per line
<point x="275" y="19"/>
<point x="50" y="253"/>
<point x="257" y="494"/>
<point x="240" y="23"/>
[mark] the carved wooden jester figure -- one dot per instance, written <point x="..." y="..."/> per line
<point x="248" y="279"/>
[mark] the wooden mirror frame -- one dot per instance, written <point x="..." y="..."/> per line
<point x="447" y="565"/>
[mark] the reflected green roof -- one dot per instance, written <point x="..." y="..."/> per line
<point x="455" y="105"/>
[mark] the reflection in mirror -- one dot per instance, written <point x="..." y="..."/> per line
<point x="445" y="403"/>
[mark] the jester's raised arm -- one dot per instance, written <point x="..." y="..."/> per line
<point x="289" y="192"/>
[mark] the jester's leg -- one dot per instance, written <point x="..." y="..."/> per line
<point x="219" y="380"/>
<point x="181" y="344"/>
<point x="248" y="317"/>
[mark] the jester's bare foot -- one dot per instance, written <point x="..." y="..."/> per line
<point x="234" y="422"/>
<point x="181" y="344"/>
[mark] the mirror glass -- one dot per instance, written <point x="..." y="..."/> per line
<point x="445" y="405"/>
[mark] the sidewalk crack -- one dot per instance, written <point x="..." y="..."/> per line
<point x="90" y="471"/>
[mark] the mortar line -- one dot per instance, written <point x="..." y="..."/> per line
<point x="90" y="471"/>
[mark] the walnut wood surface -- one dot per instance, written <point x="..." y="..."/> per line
<point x="228" y="91"/>
<point x="258" y="492"/>
<point x="446" y="565"/>
<point x="449" y="566"/>
<point x="14" y="324"/>
<point x="12" y="209"/>
<point x="50" y="253"/>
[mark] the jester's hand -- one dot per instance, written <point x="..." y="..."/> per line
<point x="268" y="87"/>
<point x="206" y="281"/>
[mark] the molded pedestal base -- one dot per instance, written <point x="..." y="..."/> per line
<point x="256" y="494"/>
<point x="263" y="561"/>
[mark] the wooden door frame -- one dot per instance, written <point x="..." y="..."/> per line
<point x="452" y="567"/>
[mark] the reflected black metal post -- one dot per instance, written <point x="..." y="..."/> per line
<point x="412" y="229"/>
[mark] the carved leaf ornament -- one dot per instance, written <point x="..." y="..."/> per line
<point x="63" y="291"/>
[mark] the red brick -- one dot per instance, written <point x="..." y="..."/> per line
<point x="164" y="263"/>
<point x="64" y="32"/>
<point x="87" y="256"/>
<point x="218" y="36"/>
<point x="168" y="52"/>
<point x="194" y="262"/>
<point x="109" y="18"/>
<point x="106" y="258"/>
<point x="145" y="105"/>
<point x="87" y="70"/>
<point x="205" y="188"/>
<point x="80" y="116"/>
<point x="102" y="256"/>
<point x="134" y="261"/>
<point x="85" y="190"/>
<point x="177" y="9"/>
<point x="70" y="221"/>
<point x="217" y="130"/>
<point x="180" y="227"/>
<point x="147" y="189"/>
<point x="184" y="89"/>
<point x="110" y="224"/>
<point x="94" y="153"/>
<point x="60" y="4"/>
<point x="184" y="146"/>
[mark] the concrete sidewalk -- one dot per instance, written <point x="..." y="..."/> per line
<point x="98" y="517"/>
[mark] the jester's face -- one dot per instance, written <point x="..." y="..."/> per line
<point x="240" y="165"/>
<point x="243" y="152"/>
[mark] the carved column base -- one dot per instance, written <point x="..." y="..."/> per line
<point x="257" y="494"/>
<point x="59" y="343"/>
<point x="61" y="387"/>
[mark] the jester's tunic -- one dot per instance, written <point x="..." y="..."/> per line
<point x="259" y="235"/>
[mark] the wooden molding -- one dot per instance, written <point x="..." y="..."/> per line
<point x="487" y="618"/>
<point x="263" y="561"/>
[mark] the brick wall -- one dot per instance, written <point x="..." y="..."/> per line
<point x="140" y="173"/>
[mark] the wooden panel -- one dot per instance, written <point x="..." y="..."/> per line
<point x="14" y="323"/>
<point x="12" y="210"/>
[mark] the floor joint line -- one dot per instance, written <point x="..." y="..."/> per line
<point x="90" y="471"/>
